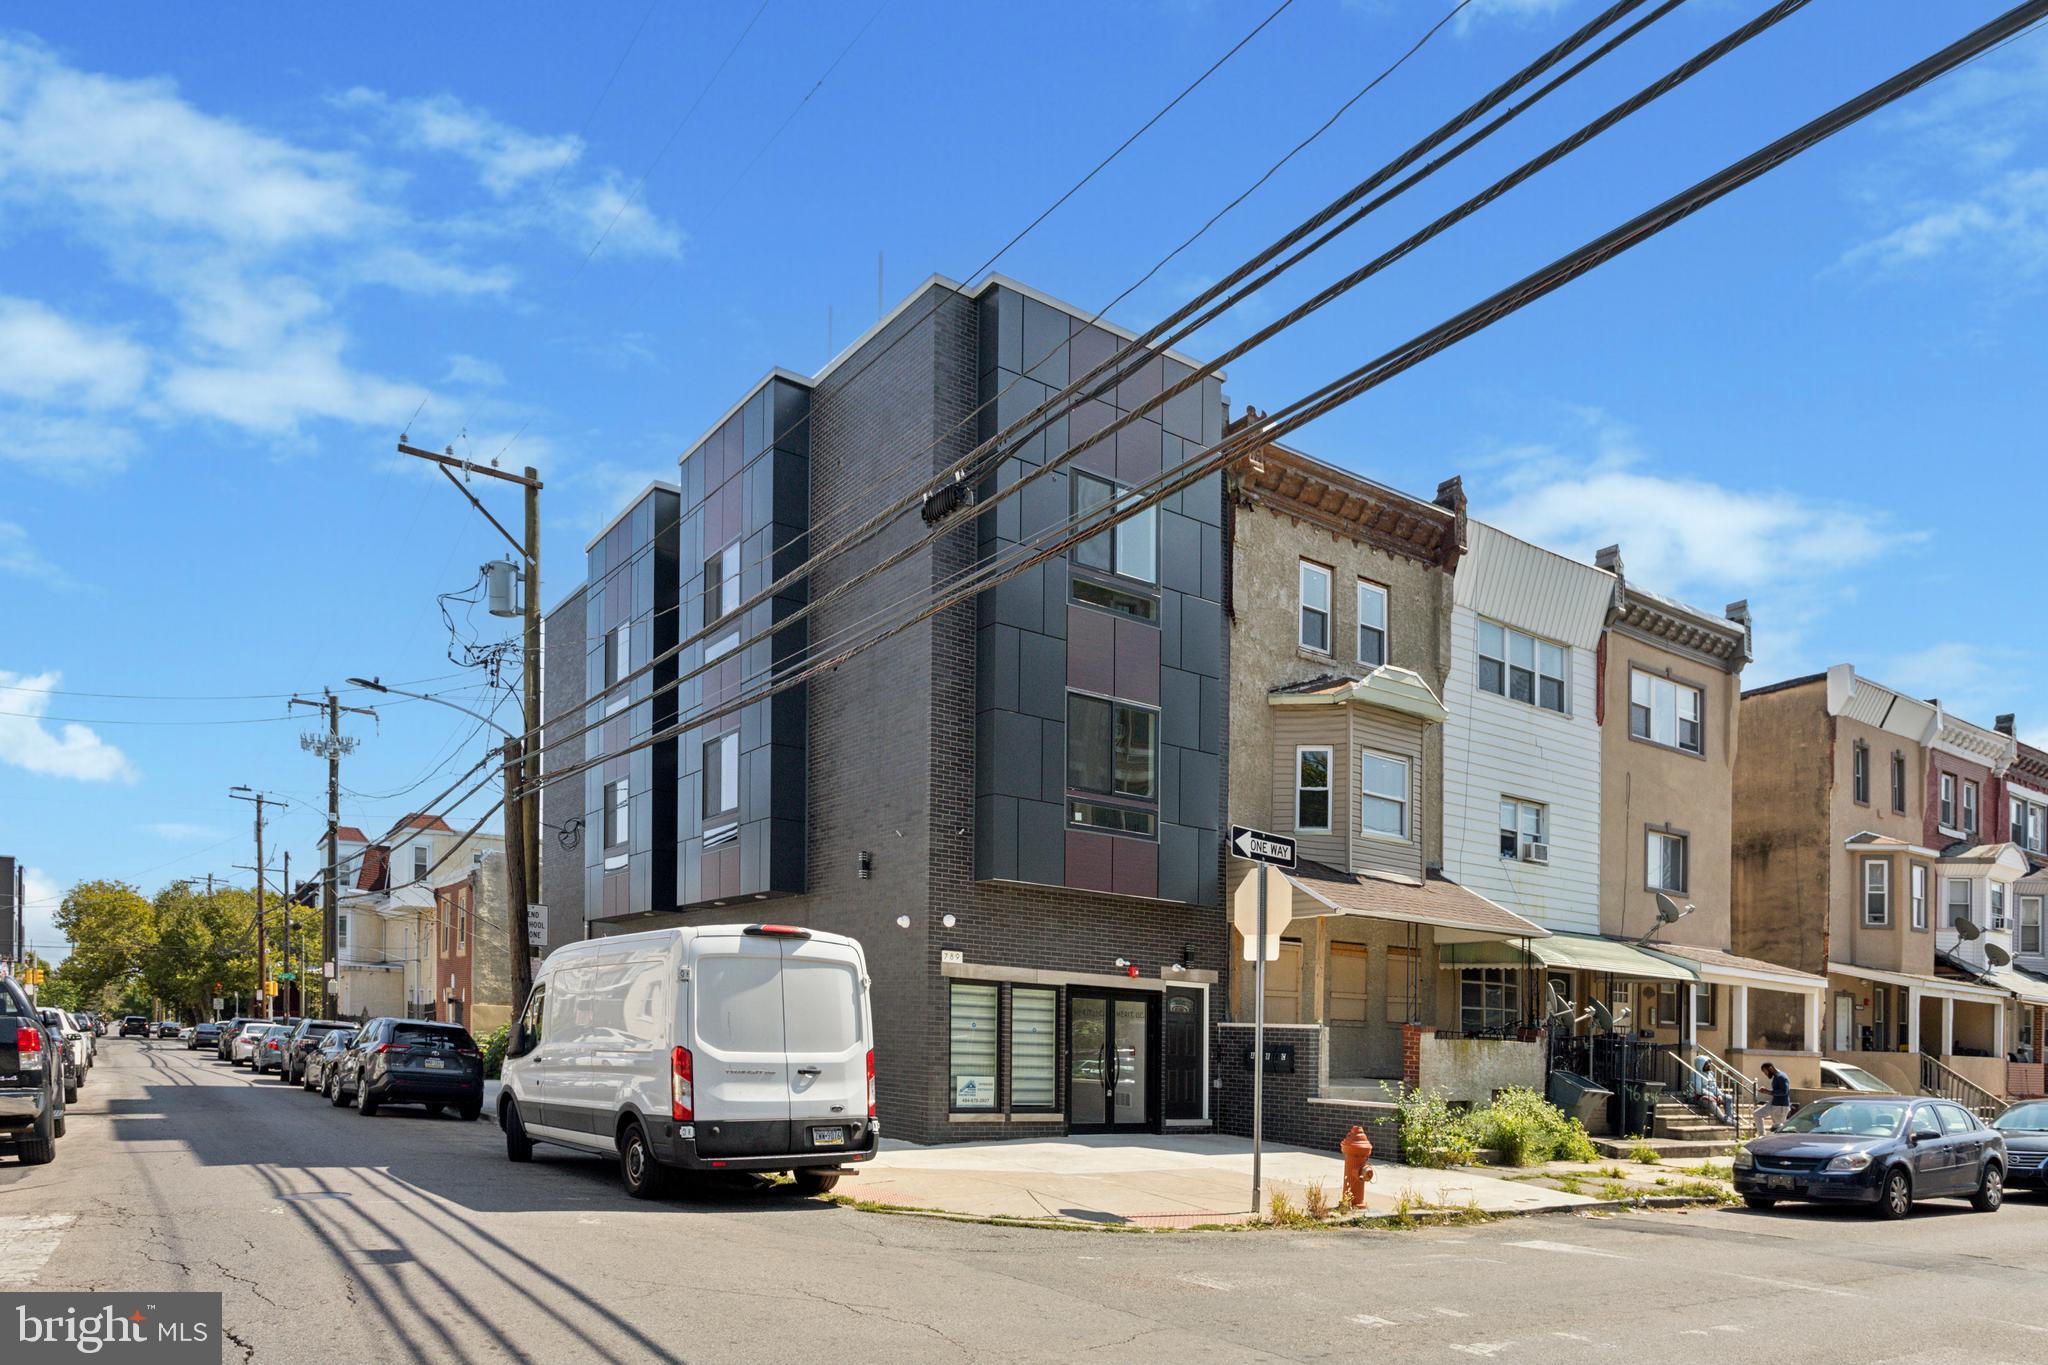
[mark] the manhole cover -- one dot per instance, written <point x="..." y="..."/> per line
<point x="315" y="1194"/>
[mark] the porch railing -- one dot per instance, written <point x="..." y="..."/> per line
<point x="1704" y="1076"/>
<point x="1947" y="1083"/>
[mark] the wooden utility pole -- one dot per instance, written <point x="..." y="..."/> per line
<point x="330" y="746"/>
<point x="522" y="758"/>
<point x="262" y="942"/>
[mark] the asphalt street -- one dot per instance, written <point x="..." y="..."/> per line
<point x="338" y="1238"/>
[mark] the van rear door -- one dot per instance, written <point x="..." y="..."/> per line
<point x="740" y="1066"/>
<point x="824" y="1011"/>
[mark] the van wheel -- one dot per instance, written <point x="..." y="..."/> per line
<point x="1898" y="1196"/>
<point x="817" y="1180"/>
<point x="645" y="1177"/>
<point x="518" y="1146"/>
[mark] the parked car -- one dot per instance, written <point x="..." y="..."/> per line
<point x="268" y="1052"/>
<point x="204" y="1035"/>
<point x="166" y="1028"/>
<point x="95" y="1023"/>
<point x="411" y="1061"/>
<point x="134" y="1026"/>
<point x="316" y="1072"/>
<point x="304" y="1037"/>
<point x="1843" y="1076"/>
<point x="1882" y="1150"/>
<point x="76" y="1059"/>
<point x="231" y="1029"/>
<point x="32" y="1087"/>
<point x="668" y="1053"/>
<point x="2025" y="1127"/>
<point x="243" y="1047"/>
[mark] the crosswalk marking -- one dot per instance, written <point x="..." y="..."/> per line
<point x="27" y="1241"/>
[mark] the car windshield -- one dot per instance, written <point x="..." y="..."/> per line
<point x="1856" y="1078"/>
<point x="1849" y="1118"/>
<point x="2023" y="1118"/>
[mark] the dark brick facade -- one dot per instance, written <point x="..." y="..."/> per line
<point x="1295" y="1112"/>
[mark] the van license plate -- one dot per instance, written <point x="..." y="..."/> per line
<point x="828" y="1137"/>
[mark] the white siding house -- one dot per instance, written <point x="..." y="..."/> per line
<point x="1520" y="733"/>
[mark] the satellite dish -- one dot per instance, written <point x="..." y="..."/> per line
<point x="1965" y="927"/>
<point x="1603" y="1018"/>
<point x="1995" y="955"/>
<point x="1670" y="911"/>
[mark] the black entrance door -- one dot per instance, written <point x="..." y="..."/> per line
<point x="1180" y="1069"/>
<point x="1112" y="1062"/>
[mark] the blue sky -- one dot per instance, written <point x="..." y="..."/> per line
<point x="243" y="251"/>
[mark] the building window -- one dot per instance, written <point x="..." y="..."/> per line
<point x="618" y="652"/>
<point x="1898" y="782"/>
<point x="1315" y="607"/>
<point x="1112" y="748"/>
<point x="1917" y="878"/>
<point x="1034" y="1047"/>
<point x="1667" y="1004"/>
<point x="1347" y="983"/>
<point x="1283" y="984"/>
<point x="1665" y="859"/>
<point x="721" y="776"/>
<point x="462" y="929"/>
<point x="721" y="584"/>
<point x="1860" y="774"/>
<point x="1521" y="667"/>
<point x="1969" y="807"/>
<point x="1383" y="795"/>
<point x="341" y="933"/>
<point x="1959" y="898"/>
<point x="1948" y="801"/>
<point x="618" y="825"/>
<point x="1877" y="892"/>
<point x="2030" y="924"/>
<point x="1401" y="983"/>
<point x="1312" y="789"/>
<point x="1666" y="712"/>
<point x="1489" y="998"/>
<point x="1130" y="548"/>
<point x="972" y="1069"/>
<point x="420" y="856"/>
<point x="1703" y="1005"/>
<point x="1524" y="831"/>
<point x="1372" y="624"/>
<point x="1997" y="906"/>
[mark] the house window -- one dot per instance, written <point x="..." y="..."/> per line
<point x="618" y="826"/>
<point x="1918" y="881"/>
<point x="2030" y="924"/>
<point x="1948" y="801"/>
<point x="1111" y="747"/>
<point x="721" y="776"/>
<point x="341" y="932"/>
<point x="1489" y="998"/>
<point x="419" y="862"/>
<point x="1898" y="782"/>
<point x="721" y="583"/>
<point x="1665" y="712"/>
<point x="1283" y="984"/>
<point x="1860" y="774"/>
<point x="1034" y="1047"/>
<point x="1383" y="795"/>
<point x="1347" y="983"/>
<point x="1521" y="667"/>
<point x="1997" y="906"/>
<point x="462" y="929"/>
<point x="618" y="652"/>
<point x="1372" y="624"/>
<point x="1312" y="789"/>
<point x="1959" y="898"/>
<point x="1400" y="992"/>
<point x="1524" y="831"/>
<point x="1315" y="607"/>
<point x="1877" y="892"/>
<point x="972" y="1068"/>
<point x="1131" y="547"/>
<point x="1665" y="859"/>
<point x="1703" y="1005"/>
<point x="1969" y="808"/>
<point x="1667" y="1004"/>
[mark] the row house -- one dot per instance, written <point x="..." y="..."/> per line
<point x="471" y="947"/>
<point x="386" y="922"/>
<point x="1014" y="804"/>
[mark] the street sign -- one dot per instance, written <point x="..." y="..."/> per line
<point x="1244" y="910"/>
<point x="1258" y="846"/>
<point x="327" y="969"/>
<point x="287" y="976"/>
<point x="219" y="1003"/>
<point x="536" y="925"/>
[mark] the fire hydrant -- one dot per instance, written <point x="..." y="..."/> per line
<point x="1357" y="1149"/>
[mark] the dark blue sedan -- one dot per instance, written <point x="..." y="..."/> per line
<point x="1884" y="1151"/>
<point x="2025" y="1127"/>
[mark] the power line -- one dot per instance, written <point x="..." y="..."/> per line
<point x="223" y="696"/>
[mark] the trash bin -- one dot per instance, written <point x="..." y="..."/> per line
<point x="1639" y="1107"/>
<point x="1579" y="1098"/>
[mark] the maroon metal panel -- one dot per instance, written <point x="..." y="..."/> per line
<point x="1089" y="859"/>
<point x="1137" y="660"/>
<point x="1091" y="651"/>
<point x="1135" y="867"/>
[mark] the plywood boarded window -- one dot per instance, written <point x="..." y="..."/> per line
<point x="1283" y="984"/>
<point x="1347" y="983"/>
<point x="1400" y="994"/>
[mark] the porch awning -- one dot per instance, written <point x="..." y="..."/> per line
<point x="1580" y="952"/>
<point x="2021" y="985"/>
<point x="1928" y="985"/>
<point x="1443" y="905"/>
<point x="1727" y="968"/>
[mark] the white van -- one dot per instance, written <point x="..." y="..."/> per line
<point x="727" y="1047"/>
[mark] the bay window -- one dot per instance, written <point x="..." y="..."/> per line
<point x="1959" y="898"/>
<point x="1918" y="881"/>
<point x="1312" y="789"/>
<point x="2030" y="924"/>
<point x="1383" y="795"/>
<point x="1877" y="892"/>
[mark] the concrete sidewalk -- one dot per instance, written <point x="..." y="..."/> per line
<point x="1157" y="1181"/>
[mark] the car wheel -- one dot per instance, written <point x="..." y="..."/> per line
<point x="57" y="1128"/>
<point x="335" y="1095"/>
<point x="518" y="1146"/>
<point x="816" y="1181"/>
<point x="70" y="1092"/>
<point x="1760" y="1202"/>
<point x="1990" y="1189"/>
<point x="645" y="1177"/>
<point x="1897" y="1201"/>
<point x="470" y="1113"/>
<point x="365" y="1106"/>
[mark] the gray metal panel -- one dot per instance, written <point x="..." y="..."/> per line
<point x="1041" y="842"/>
<point x="1201" y="637"/>
<point x="1180" y="850"/>
<point x="1180" y="705"/>
<point x="996" y="668"/>
<point x="1180" y="552"/>
<point x="1042" y="675"/>
<point x="1200" y="787"/>
<point x="1169" y="781"/>
<point x="1052" y="763"/>
<point x="1169" y="628"/>
<point x="1213" y="700"/>
<point x="1014" y="764"/>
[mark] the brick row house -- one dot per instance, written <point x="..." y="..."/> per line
<point x="388" y="923"/>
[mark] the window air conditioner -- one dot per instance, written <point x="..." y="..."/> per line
<point x="1534" y="852"/>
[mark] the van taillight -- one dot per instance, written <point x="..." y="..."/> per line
<point x="682" y="1091"/>
<point x="871" y="1082"/>
<point x="29" y="1042"/>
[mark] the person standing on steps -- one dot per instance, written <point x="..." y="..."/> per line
<point x="1780" y="1106"/>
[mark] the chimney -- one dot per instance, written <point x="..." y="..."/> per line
<point x="1609" y="558"/>
<point x="1738" y="612"/>
<point x="1451" y="494"/>
<point x="2005" y="724"/>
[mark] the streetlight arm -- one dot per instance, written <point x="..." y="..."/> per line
<point x="373" y="685"/>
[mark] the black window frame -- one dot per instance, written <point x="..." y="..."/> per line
<point x="1898" y="782"/>
<point x="1859" y="773"/>
<point x="1108" y="543"/>
<point x="1150" y="796"/>
<point x="708" y="814"/>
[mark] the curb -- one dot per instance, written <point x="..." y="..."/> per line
<point x="1362" y="1220"/>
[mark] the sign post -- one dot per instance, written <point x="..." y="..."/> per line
<point x="1268" y="853"/>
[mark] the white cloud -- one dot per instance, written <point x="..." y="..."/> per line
<point x="2005" y="223"/>
<point x="63" y="445"/>
<point x="72" y="751"/>
<point x="1524" y="11"/>
<point x="180" y="831"/>
<point x="51" y="357"/>
<point x="1975" y="681"/>
<point x="473" y="371"/>
<point x="19" y="556"/>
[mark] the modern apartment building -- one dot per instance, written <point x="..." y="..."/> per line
<point x="1014" y="803"/>
<point x="565" y="819"/>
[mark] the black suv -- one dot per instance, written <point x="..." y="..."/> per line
<point x="134" y="1026"/>
<point x="412" y="1061"/>
<point x="31" y="1080"/>
<point x="304" y="1037"/>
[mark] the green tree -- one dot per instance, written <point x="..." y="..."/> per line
<point x="111" y="927"/>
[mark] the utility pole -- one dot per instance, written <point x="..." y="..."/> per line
<point x="285" y="907"/>
<point x="522" y="759"/>
<point x="262" y="944"/>
<point x="330" y="746"/>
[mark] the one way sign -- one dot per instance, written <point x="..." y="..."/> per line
<point x="1261" y="847"/>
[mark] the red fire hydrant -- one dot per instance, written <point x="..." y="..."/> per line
<point x="1357" y="1149"/>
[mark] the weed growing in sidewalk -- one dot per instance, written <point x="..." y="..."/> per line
<point x="1642" y="1153"/>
